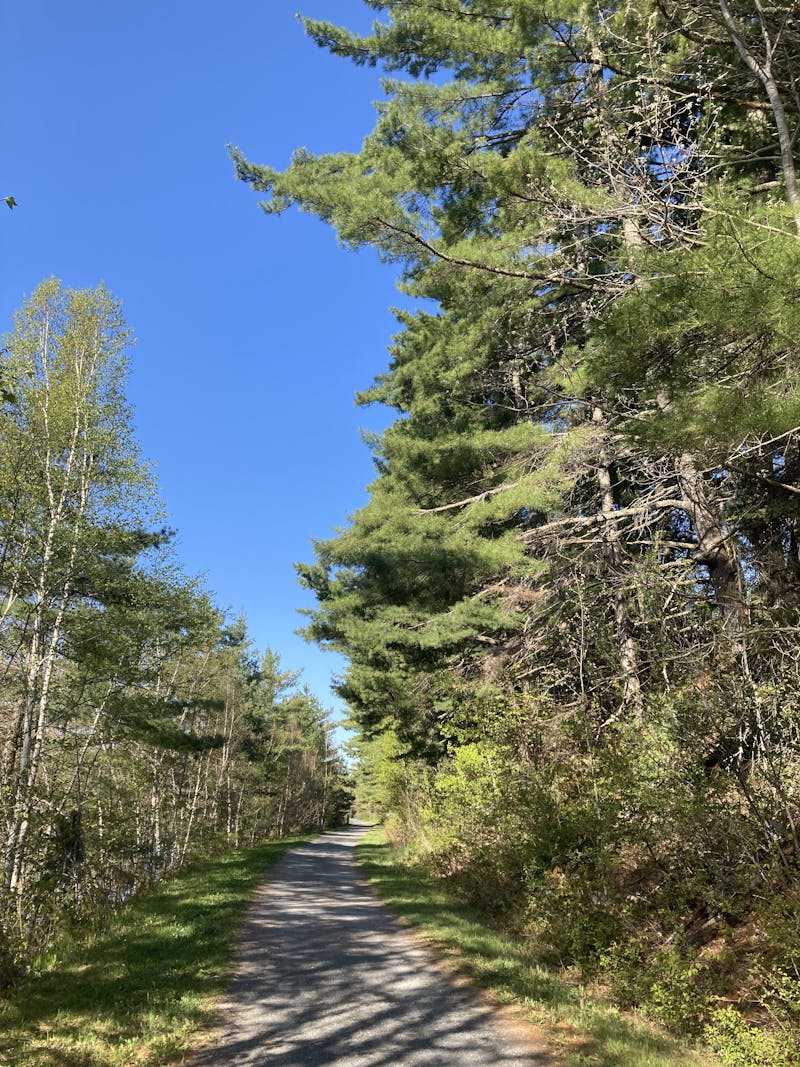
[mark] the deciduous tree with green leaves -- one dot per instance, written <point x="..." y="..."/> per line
<point x="130" y="712"/>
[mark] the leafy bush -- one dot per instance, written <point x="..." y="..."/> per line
<point x="673" y="985"/>
<point x="739" y="1044"/>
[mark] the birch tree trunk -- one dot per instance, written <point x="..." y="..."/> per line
<point x="66" y="472"/>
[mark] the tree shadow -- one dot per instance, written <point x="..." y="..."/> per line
<point x="153" y="971"/>
<point x="326" y="976"/>
<point x="590" y="1031"/>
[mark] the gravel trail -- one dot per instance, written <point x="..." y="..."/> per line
<point x="326" y="976"/>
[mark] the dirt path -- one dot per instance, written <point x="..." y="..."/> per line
<point x="325" y="975"/>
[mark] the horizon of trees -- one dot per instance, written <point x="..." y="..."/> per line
<point x="140" y="729"/>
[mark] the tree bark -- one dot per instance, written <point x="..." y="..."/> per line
<point x="626" y="644"/>
<point x="716" y="552"/>
<point x="761" y="68"/>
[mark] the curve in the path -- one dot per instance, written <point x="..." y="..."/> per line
<point x="326" y="976"/>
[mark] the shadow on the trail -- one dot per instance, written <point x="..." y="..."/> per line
<point x="326" y="977"/>
<point x="512" y="969"/>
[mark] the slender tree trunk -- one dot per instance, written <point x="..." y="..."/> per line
<point x="324" y="785"/>
<point x="238" y="818"/>
<point x="626" y="644"/>
<point x="761" y="68"/>
<point x="192" y="812"/>
<point x="45" y="638"/>
<point x="715" y="550"/>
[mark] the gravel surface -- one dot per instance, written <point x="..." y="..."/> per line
<point x="326" y="975"/>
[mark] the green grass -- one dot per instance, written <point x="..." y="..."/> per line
<point x="141" y="991"/>
<point x="582" y="1028"/>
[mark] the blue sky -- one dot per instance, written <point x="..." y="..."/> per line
<point x="253" y="333"/>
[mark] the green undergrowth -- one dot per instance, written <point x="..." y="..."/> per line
<point x="582" y="1028"/>
<point x="142" y="989"/>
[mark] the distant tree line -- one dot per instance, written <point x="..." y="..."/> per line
<point x="570" y="606"/>
<point x="138" y="729"/>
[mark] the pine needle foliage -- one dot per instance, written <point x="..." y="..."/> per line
<point x="571" y="600"/>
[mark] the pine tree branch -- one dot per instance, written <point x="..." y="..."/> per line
<point x="469" y="500"/>
<point x="601" y="518"/>
<point x="506" y="272"/>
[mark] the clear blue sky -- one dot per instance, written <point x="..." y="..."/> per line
<point x="253" y="333"/>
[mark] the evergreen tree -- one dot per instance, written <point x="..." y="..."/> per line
<point x="573" y="589"/>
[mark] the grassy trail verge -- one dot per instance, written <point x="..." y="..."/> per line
<point x="140" y="991"/>
<point x="582" y="1028"/>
